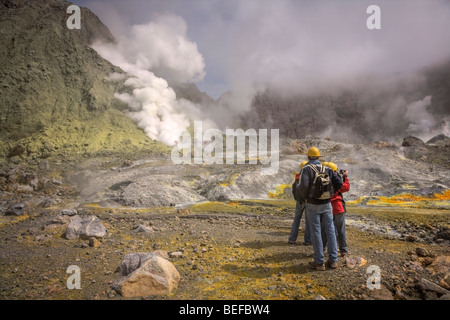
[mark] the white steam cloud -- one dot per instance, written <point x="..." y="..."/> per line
<point x="161" y="46"/>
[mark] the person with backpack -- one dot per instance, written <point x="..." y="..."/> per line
<point x="317" y="185"/>
<point x="339" y="211"/>
<point x="299" y="209"/>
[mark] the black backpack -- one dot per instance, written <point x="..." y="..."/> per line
<point x="321" y="187"/>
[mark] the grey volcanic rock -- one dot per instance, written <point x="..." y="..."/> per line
<point x="85" y="228"/>
<point x="133" y="261"/>
<point x="17" y="209"/>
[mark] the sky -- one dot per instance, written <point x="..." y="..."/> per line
<point x="234" y="49"/>
<point x="292" y="45"/>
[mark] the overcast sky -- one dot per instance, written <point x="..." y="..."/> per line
<point x="287" y="44"/>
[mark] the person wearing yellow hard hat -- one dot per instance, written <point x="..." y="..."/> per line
<point x="317" y="185"/>
<point x="339" y="211"/>
<point x="299" y="209"/>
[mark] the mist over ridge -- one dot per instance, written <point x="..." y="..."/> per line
<point x="315" y="61"/>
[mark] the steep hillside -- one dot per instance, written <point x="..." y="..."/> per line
<point x="54" y="93"/>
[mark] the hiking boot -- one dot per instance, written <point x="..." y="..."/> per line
<point x="320" y="267"/>
<point x="344" y="254"/>
<point x="307" y="243"/>
<point x="332" y="265"/>
<point x="291" y="242"/>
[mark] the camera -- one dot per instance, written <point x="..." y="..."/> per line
<point x="341" y="171"/>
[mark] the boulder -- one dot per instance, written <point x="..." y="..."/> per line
<point x="17" y="209"/>
<point x="133" y="261"/>
<point x="94" y="243"/>
<point x="154" y="276"/>
<point x="69" y="212"/>
<point x="85" y="228"/>
<point x="441" y="264"/>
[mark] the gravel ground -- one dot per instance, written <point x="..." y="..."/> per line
<point x="224" y="256"/>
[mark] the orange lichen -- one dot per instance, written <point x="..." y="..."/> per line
<point x="279" y="191"/>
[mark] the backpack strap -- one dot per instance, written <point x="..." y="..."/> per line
<point x="316" y="171"/>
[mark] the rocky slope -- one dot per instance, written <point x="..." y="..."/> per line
<point x="54" y="94"/>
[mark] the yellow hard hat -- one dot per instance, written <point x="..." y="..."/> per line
<point x="332" y="166"/>
<point x="303" y="164"/>
<point x="313" y="152"/>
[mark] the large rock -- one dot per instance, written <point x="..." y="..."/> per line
<point x="17" y="209"/>
<point x="85" y="228"/>
<point x="154" y="275"/>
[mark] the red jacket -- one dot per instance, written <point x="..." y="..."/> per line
<point x="336" y="199"/>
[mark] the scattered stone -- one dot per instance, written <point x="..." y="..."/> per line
<point x="18" y="209"/>
<point x="412" y="141"/>
<point x="427" y="285"/>
<point x="143" y="228"/>
<point x="399" y="295"/>
<point x="411" y="238"/>
<point x="44" y="165"/>
<point x="94" y="243"/>
<point x="445" y="282"/>
<point x="133" y="261"/>
<point x="16" y="151"/>
<point x="69" y="212"/>
<point x="427" y="261"/>
<point x="441" y="264"/>
<point x="421" y="252"/>
<point x="85" y="228"/>
<point x="414" y="265"/>
<point x="155" y="276"/>
<point x="162" y="254"/>
<point x="40" y="237"/>
<point x="443" y="234"/>
<point x="381" y="294"/>
<point x="355" y="262"/>
<point x="319" y="297"/>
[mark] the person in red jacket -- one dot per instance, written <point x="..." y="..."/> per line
<point x="339" y="210"/>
